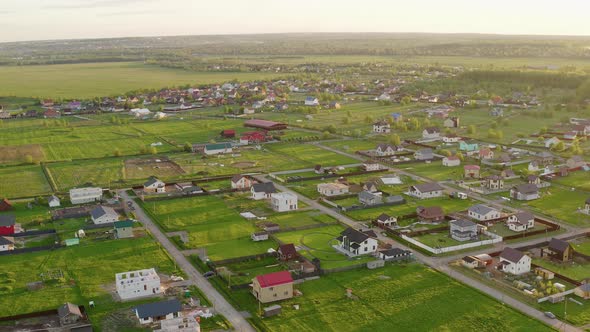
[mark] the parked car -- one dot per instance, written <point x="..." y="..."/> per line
<point x="209" y="274"/>
<point x="550" y="314"/>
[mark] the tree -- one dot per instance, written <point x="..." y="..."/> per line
<point x="445" y="152"/>
<point x="394" y="139"/>
<point x="153" y="150"/>
<point x="326" y="135"/>
<point x="117" y="153"/>
<point x="188" y="147"/>
<point x="406" y="101"/>
<point x="471" y="130"/>
<point x="369" y="119"/>
<point x="460" y="156"/>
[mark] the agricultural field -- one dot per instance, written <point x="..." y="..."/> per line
<point x="310" y="155"/>
<point x="23" y="181"/>
<point x="87" y="270"/>
<point x="104" y="172"/>
<point x="34" y="217"/>
<point x="352" y="145"/>
<point x="405" y="297"/>
<point x="110" y="78"/>
<point x="317" y="243"/>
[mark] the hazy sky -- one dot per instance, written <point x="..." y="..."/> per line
<point x="59" y="19"/>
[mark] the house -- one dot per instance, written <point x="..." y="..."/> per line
<point x="470" y="262"/>
<point x="136" y="284"/>
<point x="259" y="236"/>
<point x="451" y="161"/>
<point x="525" y="192"/>
<point x="270" y="227"/>
<point x="85" y="195"/>
<point x="332" y="189"/>
<point x="483" y="212"/>
<point x="156" y="311"/>
<point x="370" y="186"/>
<point x="551" y="141"/>
<point x="370" y="198"/>
<point x="570" y="135"/>
<point x="355" y="243"/>
<point x="587" y="206"/>
<point x="241" y="182"/>
<point x="468" y="147"/>
<point x="575" y="162"/>
<point x="545" y="158"/>
<point x="283" y="202"/>
<point x="583" y="291"/>
<point x="424" y="154"/>
<point x="262" y="190"/>
<point x="496" y="112"/>
<point x="381" y="127"/>
<point x="471" y="171"/>
<point x="5" y="205"/>
<point x="139" y="112"/>
<point x="507" y="174"/>
<point x="154" y="185"/>
<point x="494" y="182"/>
<point x="504" y="158"/>
<point x="533" y="166"/>
<point x="53" y="201"/>
<point x="559" y="249"/>
<point x="123" y="229"/>
<point x="6" y="243"/>
<point x="533" y="179"/>
<point x="252" y="137"/>
<point x="463" y="230"/>
<point x="386" y="220"/>
<point x="103" y="215"/>
<point x="431" y="133"/>
<point x="311" y="101"/>
<point x="430" y="214"/>
<point x="369" y="167"/>
<point x="452" y="122"/>
<point x="383" y="150"/>
<point x="520" y="221"/>
<point x="426" y="190"/>
<point x="318" y="169"/>
<point x="334" y="105"/>
<point x="451" y="138"/>
<point x="218" y="148"/>
<point x="287" y="252"/>
<point x="69" y="314"/>
<point x="7" y="224"/>
<point x="273" y="287"/>
<point x="50" y="113"/>
<point x="228" y="133"/>
<point x="188" y="188"/>
<point x="514" y="262"/>
<point x="486" y="154"/>
<point x="395" y="254"/>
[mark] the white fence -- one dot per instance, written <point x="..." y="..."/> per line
<point x="495" y="239"/>
<point x="568" y="292"/>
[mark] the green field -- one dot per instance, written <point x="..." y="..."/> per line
<point x="23" y="181"/>
<point x="562" y="204"/>
<point x="87" y="270"/>
<point x="310" y="155"/>
<point x="103" y="79"/>
<point x="396" y="298"/>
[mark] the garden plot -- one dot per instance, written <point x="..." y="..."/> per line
<point x="160" y="167"/>
<point x="23" y="181"/>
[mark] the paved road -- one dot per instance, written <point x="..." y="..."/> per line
<point x="438" y="263"/>
<point x="219" y="302"/>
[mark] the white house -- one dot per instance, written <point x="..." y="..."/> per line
<point x="451" y="161"/>
<point x="53" y="201"/>
<point x="426" y="190"/>
<point x="451" y="138"/>
<point x="241" y="182"/>
<point x="386" y="220"/>
<point x="371" y="167"/>
<point x="521" y="221"/>
<point x="332" y="189"/>
<point x="514" y="262"/>
<point x="154" y="185"/>
<point x="259" y="236"/>
<point x="283" y="202"/>
<point x="135" y="284"/>
<point x="386" y="150"/>
<point x="431" y="133"/>
<point x="525" y="192"/>
<point x="103" y="215"/>
<point x="262" y="190"/>
<point x="153" y="312"/>
<point x="381" y="127"/>
<point x="85" y="195"/>
<point x="139" y="112"/>
<point x="217" y="148"/>
<point x="311" y="101"/>
<point x="551" y="141"/>
<point x="483" y="212"/>
<point x="395" y="254"/>
<point x="355" y="243"/>
<point x="6" y="243"/>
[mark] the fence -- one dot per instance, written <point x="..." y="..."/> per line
<point x="495" y="239"/>
<point x="33" y="233"/>
<point x="324" y="176"/>
<point x="27" y="250"/>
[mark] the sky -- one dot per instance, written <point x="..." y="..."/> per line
<point x="22" y="20"/>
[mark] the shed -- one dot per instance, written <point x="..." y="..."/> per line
<point x="273" y="310"/>
<point x="72" y="242"/>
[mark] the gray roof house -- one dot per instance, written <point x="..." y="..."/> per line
<point x="262" y="190"/>
<point x="103" y="215"/>
<point x="463" y="230"/>
<point x="483" y="212"/>
<point x="525" y="192"/>
<point x="150" y="312"/>
<point x="424" y="154"/>
<point x="7" y="220"/>
<point x="426" y="190"/>
<point x="69" y="313"/>
<point x="370" y="198"/>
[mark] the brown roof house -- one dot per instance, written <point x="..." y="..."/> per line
<point x="525" y="192"/>
<point x="287" y="252"/>
<point x="430" y="213"/>
<point x="559" y="249"/>
<point x="69" y="314"/>
<point x="5" y="205"/>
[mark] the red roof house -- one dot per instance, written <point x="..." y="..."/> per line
<point x="287" y="252"/>
<point x="5" y="205"/>
<point x="7" y="223"/>
<point x="253" y="137"/>
<point x="274" y="279"/>
<point x="228" y="133"/>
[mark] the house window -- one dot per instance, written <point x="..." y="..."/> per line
<point x="366" y="249"/>
<point x="271" y="289"/>
<point x="287" y="293"/>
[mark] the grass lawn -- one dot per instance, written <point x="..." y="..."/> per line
<point x="23" y="181"/>
<point x="578" y="179"/>
<point x="37" y="217"/>
<point x="351" y="146"/>
<point x="503" y="230"/>
<point x="243" y="272"/>
<point x="442" y="240"/>
<point x="582" y="245"/>
<point x="571" y="269"/>
<point x="87" y="270"/>
<point x="105" y="79"/>
<point x="562" y="204"/>
<point x="395" y="298"/>
<point x="317" y="243"/>
<point x="448" y="204"/>
<point x="301" y="218"/>
<point x="435" y="170"/>
<point x="310" y="155"/>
